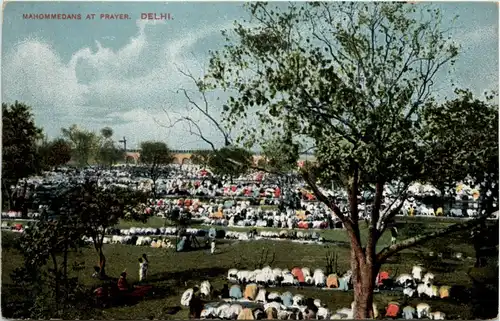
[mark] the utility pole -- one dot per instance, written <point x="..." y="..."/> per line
<point x="124" y="141"/>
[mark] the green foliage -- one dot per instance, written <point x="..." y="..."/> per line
<point x="136" y="213"/>
<point x="462" y="136"/>
<point x="97" y="210"/>
<point x="19" y="137"/>
<point x="345" y="75"/>
<point x="201" y="157"/>
<point x="230" y="161"/>
<point x="19" y="150"/>
<point x="155" y="155"/>
<point x="85" y="144"/>
<point x="355" y="79"/>
<point x="107" y="132"/>
<point x="281" y="155"/>
<point x="108" y="154"/>
<point x="48" y="242"/>
<point x="55" y="153"/>
<point x="100" y="209"/>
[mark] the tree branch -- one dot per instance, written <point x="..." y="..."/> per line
<point x="388" y="251"/>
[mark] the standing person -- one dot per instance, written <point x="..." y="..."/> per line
<point x="212" y="233"/>
<point x="394" y="234"/>
<point x="212" y="246"/>
<point x="143" y="267"/>
<point x="195" y="304"/>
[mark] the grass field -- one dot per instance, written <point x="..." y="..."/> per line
<point x="171" y="273"/>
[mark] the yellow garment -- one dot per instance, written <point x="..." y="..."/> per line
<point x="439" y="211"/>
<point x="444" y="292"/>
<point x="217" y="215"/>
<point x="412" y="210"/>
<point x="271" y="313"/>
<point x="332" y="281"/>
<point x="250" y="291"/>
<point x="460" y="187"/>
<point x="246" y="314"/>
<point x="301" y="215"/>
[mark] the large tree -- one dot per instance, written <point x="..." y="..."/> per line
<point x="462" y="136"/>
<point x="155" y="155"/>
<point x="354" y="78"/>
<point x="19" y="147"/>
<point x="85" y="144"/>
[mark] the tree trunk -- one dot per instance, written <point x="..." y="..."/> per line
<point x="102" y="263"/>
<point x="56" y="278"/>
<point x="6" y="192"/>
<point x="363" y="279"/>
<point x="24" y="209"/>
<point x="65" y="271"/>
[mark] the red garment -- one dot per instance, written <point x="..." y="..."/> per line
<point x="122" y="284"/>
<point x="277" y="192"/>
<point x="392" y="311"/>
<point x="233" y="188"/>
<point x="381" y="277"/>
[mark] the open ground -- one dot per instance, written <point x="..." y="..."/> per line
<point x="172" y="273"/>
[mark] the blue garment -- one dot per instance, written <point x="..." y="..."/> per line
<point x="180" y="245"/>
<point x="343" y="284"/>
<point x="286" y="299"/>
<point x="212" y="233"/>
<point x="408" y="313"/>
<point x="235" y="292"/>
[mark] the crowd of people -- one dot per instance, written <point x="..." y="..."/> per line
<point x="233" y="202"/>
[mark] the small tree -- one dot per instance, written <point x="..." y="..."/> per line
<point x="99" y="210"/>
<point x="85" y="144"/>
<point x="155" y="155"/>
<point x="108" y="154"/>
<point x="47" y="242"/>
<point x="55" y="153"/>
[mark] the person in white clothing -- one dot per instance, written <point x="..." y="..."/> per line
<point x="212" y="246"/>
<point x="143" y="267"/>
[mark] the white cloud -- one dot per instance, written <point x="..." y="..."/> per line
<point x="32" y="71"/>
<point x="125" y="87"/>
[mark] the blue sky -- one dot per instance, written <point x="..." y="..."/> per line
<point x="122" y="73"/>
